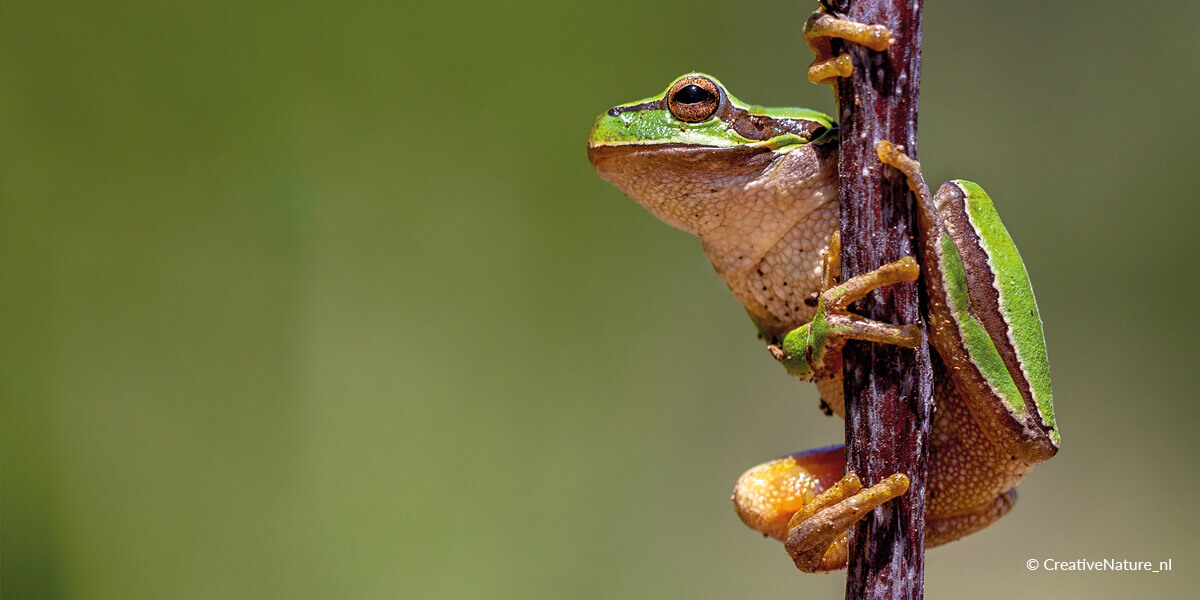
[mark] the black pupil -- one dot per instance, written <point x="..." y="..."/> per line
<point x="692" y="93"/>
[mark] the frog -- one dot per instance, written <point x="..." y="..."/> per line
<point x="758" y="187"/>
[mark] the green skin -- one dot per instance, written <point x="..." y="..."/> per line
<point x="758" y="187"/>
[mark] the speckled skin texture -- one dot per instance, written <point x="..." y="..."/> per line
<point x="764" y="219"/>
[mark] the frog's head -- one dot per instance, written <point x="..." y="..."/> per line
<point x="693" y="142"/>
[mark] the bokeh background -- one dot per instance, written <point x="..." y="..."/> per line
<point x="316" y="299"/>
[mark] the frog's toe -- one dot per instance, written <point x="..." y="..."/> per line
<point x="827" y="71"/>
<point x="818" y="536"/>
<point x="821" y="27"/>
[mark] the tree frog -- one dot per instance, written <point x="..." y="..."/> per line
<point x="759" y="188"/>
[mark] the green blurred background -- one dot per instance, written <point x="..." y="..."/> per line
<point x="318" y="300"/>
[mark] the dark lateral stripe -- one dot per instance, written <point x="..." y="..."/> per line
<point x="762" y="127"/>
<point x="651" y="105"/>
<point x="983" y="292"/>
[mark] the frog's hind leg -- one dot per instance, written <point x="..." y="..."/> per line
<point x="804" y="501"/>
<point x="768" y="495"/>
<point x="971" y="482"/>
<point x="940" y="530"/>
<point x="800" y="500"/>
<point x="826" y="68"/>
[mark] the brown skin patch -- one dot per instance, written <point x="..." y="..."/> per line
<point x="619" y="110"/>
<point x="762" y="127"/>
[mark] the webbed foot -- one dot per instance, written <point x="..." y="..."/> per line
<point x="818" y="535"/>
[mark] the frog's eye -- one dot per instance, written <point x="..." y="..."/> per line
<point x="693" y="99"/>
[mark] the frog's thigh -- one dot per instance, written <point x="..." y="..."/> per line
<point x="939" y="530"/>
<point x="768" y="495"/>
<point x="966" y="469"/>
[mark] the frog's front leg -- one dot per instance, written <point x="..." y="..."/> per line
<point x="821" y="27"/>
<point x="814" y="350"/>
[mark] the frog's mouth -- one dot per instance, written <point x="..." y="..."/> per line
<point x="691" y="164"/>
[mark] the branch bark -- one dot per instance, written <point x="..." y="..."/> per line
<point x="888" y="389"/>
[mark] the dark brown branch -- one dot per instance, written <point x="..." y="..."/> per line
<point x="888" y="389"/>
